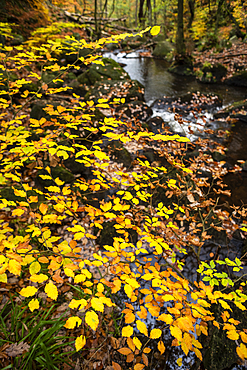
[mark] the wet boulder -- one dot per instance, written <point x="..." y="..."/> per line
<point x="97" y="72"/>
<point x="135" y="109"/>
<point x="162" y="49"/>
<point x="127" y="89"/>
<point x="238" y="79"/>
<point x="212" y="73"/>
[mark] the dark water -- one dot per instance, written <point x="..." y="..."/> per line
<point x="154" y="75"/>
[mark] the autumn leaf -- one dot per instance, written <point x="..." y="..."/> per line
<point x="127" y="331"/>
<point x="137" y="343"/>
<point x="142" y="327"/>
<point x="33" y="304"/>
<point x="139" y="367"/>
<point x="155" y="333"/>
<point x="129" y="317"/>
<point x="242" y="351"/>
<point x="232" y="334"/>
<point x="92" y="319"/>
<point x="14" y="267"/>
<point x="72" y="321"/>
<point x="179" y="361"/>
<point x="176" y="332"/>
<point x="51" y="291"/>
<point x="167" y="318"/>
<point x="28" y="291"/>
<point x="116" y="366"/>
<point x="97" y="304"/>
<point x="155" y="30"/>
<point x="34" y="268"/>
<point x="43" y="208"/>
<point x="124" y="351"/>
<point x="161" y="347"/>
<point x="80" y="342"/>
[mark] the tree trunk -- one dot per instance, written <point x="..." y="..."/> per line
<point x="149" y="8"/>
<point x="141" y="13"/>
<point x="192" y="12"/>
<point x="180" y="45"/>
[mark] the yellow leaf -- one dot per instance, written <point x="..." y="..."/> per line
<point x="20" y="193"/>
<point x="167" y="318"/>
<point x="97" y="304"/>
<point x="242" y="351"/>
<point x="176" y="332"/>
<point x="3" y="278"/>
<point x="127" y="331"/>
<point x="184" y="323"/>
<point x="243" y="337"/>
<point x="39" y="278"/>
<point x="155" y="30"/>
<point x="51" y="290"/>
<point x="80" y="342"/>
<point x="34" y="268"/>
<point x="18" y="212"/>
<point x="92" y="319"/>
<point x="76" y="303"/>
<point x="33" y="304"/>
<point x="161" y="347"/>
<point x="155" y="333"/>
<point x="179" y="361"/>
<point x="72" y="321"/>
<point x="197" y="353"/>
<point x="28" y="291"/>
<point x="129" y="317"/>
<point x="128" y="290"/>
<point x="142" y="327"/>
<point x="43" y="208"/>
<point x="69" y="272"/>
<point x="14" y="267"/>
<point x="233" y="335"/>
<point x="137" y="343"/>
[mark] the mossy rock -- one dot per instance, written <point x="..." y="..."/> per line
<point x="137" y="109"/>
<point x="128" y="89"/>
<point x="48" y="78"/>
<point x="60" y="172"/>
<point x="162" y="49"/>
<point x="76" y="88"/>
<point x="213" y="73"/>
<point x="238" y="79"/>
<point x="118" y="153"/>
<point x="97" y="72"/>
<point x="8" y="194"/>
<point x="109" y="232"/>
<point x="235" y="107"/>
<point x="38" y="109"/>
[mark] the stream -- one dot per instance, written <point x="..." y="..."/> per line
<point x="160" y="83"/>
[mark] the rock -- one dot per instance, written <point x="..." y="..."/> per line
<point x="105" y="236"/>
<point x="238" y="79"/>
<point x="136" y="42"/>
<point x="58" y="171"/>
<point x="118" y="153"/>
<point x="162" y="49"/>
<point x="17" y="40"/>
<point x="49" y="78"/>
<point x="76" y="88"/>
<point x="96" y="72"/>
<point x="213" y="73"/>
<point x="136" y="109"/>
<point x="233" y="111"/>
<point x="128" y="89"/>
<point x="188" y="102"/>
<point x="38" y="109"/>
<point x="155" y="124"/>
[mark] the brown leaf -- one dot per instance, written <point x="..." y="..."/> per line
<point x="16" y="349"/>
